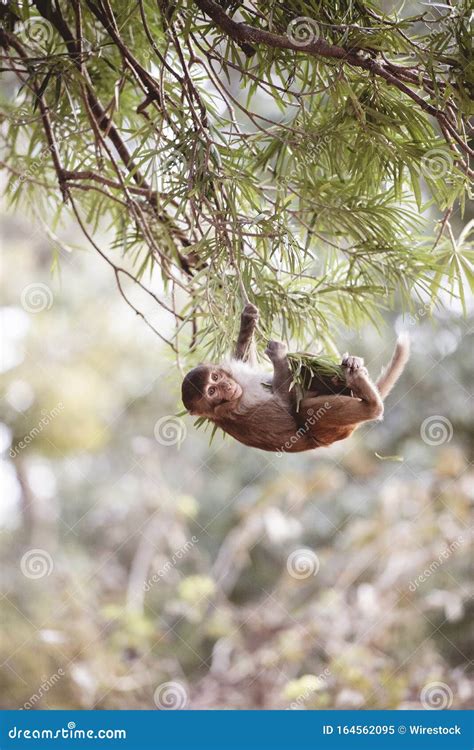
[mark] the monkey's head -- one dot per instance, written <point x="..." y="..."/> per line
<point x="207" y="387"/>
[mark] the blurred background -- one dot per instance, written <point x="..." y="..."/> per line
<point x="143" y="568"/>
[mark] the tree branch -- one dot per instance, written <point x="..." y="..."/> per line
<point x="243" y="32"/>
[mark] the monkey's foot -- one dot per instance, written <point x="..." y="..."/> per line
<point x="355" y="372"/>
<point x="276" y="350"/>
<point x="353" y="363"/>
<point x="250" y="312"/>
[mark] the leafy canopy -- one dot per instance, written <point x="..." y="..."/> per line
<point x="294" y="153"/>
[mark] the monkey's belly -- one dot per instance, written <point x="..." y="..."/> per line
<point x="288" y="443"/>
<point x="269" y="427"/>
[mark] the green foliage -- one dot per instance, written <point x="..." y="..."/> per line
<point x="304" y="367"/>
<point x="304" y="178"/>
<point x="172" y="563"/>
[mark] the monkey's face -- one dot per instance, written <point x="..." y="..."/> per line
<point x="220" y="388"/>
<point x="207" y="387"/>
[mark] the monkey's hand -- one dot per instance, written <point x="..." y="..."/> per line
<point x="276" y="351"/>
<point x="250" y="313"/>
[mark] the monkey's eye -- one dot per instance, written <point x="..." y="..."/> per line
<point x="215" y="376"/>
<point x="211" y="391"/>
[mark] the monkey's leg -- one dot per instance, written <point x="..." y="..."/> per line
<point x="327" y="419"/>
<point x="244" y="348"/>
<point x="358" y="380"/>
<point x="331" y="418"/>
<point x="282" y="377"/>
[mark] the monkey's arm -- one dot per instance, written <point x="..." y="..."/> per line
<point x="245" y="348"/>
<point x="282" y="377"/>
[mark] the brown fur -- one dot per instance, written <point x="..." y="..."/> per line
<point x="240" y="403"/>
<point x="322" y="420"/>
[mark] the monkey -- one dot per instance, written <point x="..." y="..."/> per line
<point x="260" y="411"/>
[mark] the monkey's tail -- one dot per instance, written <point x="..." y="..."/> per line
<point x="395" y="367"/>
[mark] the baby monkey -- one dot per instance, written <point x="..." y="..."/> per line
<point x="261" y="411"/>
